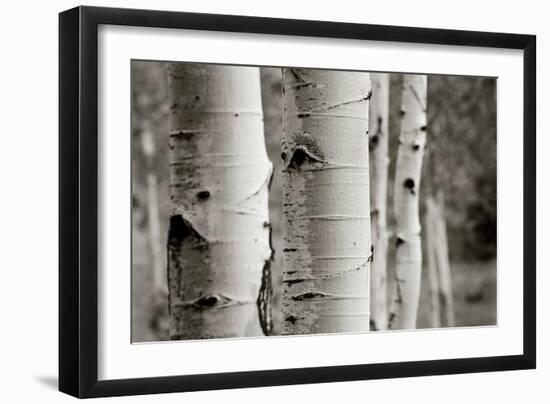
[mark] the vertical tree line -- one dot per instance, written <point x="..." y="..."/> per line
<point x="441" y="292"/>
<point x="335" y="227"/>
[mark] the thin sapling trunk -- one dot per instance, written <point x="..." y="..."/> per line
<point x="412" y="141"/>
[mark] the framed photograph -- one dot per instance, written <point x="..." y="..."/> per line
<point x="251" y="201"/>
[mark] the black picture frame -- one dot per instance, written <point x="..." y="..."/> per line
<point x="78" y="201"/>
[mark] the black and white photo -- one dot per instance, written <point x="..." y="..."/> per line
<point x="283" y="200"/>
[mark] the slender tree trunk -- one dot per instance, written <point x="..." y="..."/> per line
<point x="443" y="265"/>
<point x="218" y="243"/>
<point x="379" y="160"/>
<point x="327" y="246"/>
<point x="408" y="265"/>
<point x="159" y="274"/>
<point x="433" y="278"/>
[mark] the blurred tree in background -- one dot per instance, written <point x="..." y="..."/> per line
<point x="461" y="158"/>
<point x="149" y="113"/>
<point x="462" y="121"/>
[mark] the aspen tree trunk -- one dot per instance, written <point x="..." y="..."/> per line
<point x="443" y="265"/>
<point x="408" y="265"/>
<point x="327" y="246"/>
<point x="433" y="278"/>
<point x="218" y="244"/>
<point x="379" y="160"/>
<point x="159" y="275"/>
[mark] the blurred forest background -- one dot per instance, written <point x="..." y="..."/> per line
<point x="460" y="160"/>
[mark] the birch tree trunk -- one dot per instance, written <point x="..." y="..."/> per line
<point x="433" y="278"/>
<point x="443" y="265"/>
<point x="379" y="160"/>
<point x="327" y="246"/>
<point x="218" y="244"/>
<point x="438" y="258"/>
<point x="412" y="141"/>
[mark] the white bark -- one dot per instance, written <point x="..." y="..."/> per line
<point x="327" y="246"/>
<point x="379" y="160"/>
<point x="218" y="245"/>
<point x="433" y="278"/>
<point x="408" y="265"/>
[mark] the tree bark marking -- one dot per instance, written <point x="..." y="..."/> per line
<point x="412" y="140"/>
<point x="325" y="202"/>
<point x="218" y="246"/>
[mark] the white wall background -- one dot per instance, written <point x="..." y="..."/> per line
<point x="28" y="203"/>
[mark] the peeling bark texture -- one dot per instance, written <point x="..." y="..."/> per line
<point x="412" y="141"/>
<point x="327" y="245"/>
<point x="218" y="242"/>
<point x="153" y="215"/>
<point x="433" y="278"/>
<point x="379" y="160"/>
